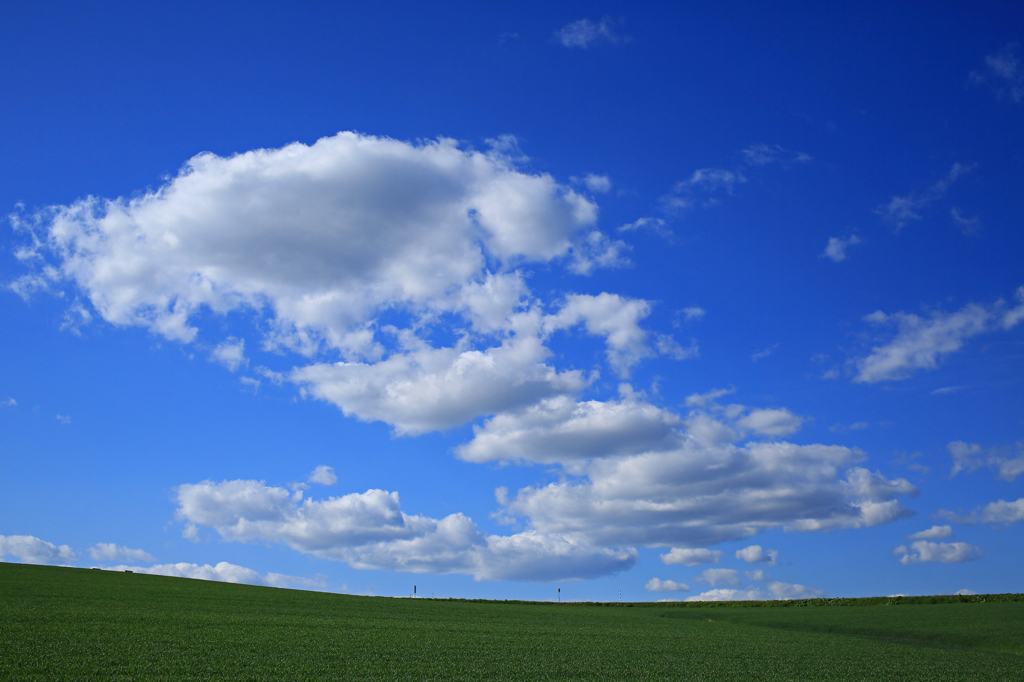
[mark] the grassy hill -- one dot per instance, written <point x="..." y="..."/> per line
<point x="69" y="623"/>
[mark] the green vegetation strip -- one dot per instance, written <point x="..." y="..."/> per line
<point x="68" y="623"/>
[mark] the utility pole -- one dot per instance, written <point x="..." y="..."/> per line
<point x="559" y="595"/>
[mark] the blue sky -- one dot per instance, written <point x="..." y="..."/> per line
<point x="700" y="302"/>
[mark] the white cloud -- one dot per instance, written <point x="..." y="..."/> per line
<point x="709" y="180"/>
<point x="771" y="422"/>
<point x="965" y="592"/>
<point x="776" y="590"/>
<point x="656" y="585"/>
<point x="10" y="402"/>
<point x="705" y="399"/>
<point x="993" y="512"/>
<point x="782" y="590"/>
<point x="598" y="183"/>
<point x="943" y="552"/>
<point x="32" y="550"/>
<point x="970" y="457"/>
<point x="596" y="250"/>
<point x="933" y="533"/>
<point x="227" y="573"/>
<point x="1013" y="316"/>
<point x="422" y="388"/>
<point x="670" y="348"/>
<point x="75" y="317"/>
<point x="63" y="418"/>
<point x="762" y="354"/>
<point x="1004" y="72"/>
<point x="692" y="557"/>
<point x="612" y="316"/>
<point x="754" y="554"/>
<point x="656" y="225"/>
<point x="562" y="429"/>
<point x="836" y="247"/>
<point x="323" y="475"/>
<point x="719" y="576"/>
<point x="701" y="495"/>
<point x="636" y="474"/>
<point x="369" y="531"/>
<point x="842" y="428"/>
<point x="693" y="313"/>
<point x="319" y="237"/>
<point x="704" y="182"/>
<point x="230" y="353"/>
<point x="730" y="594"/>
<point x="765" y="154"/>
<point x="966" y="225"/>
<point x="430" y="389"/>
<point x="585" y="33"/>
<point x="108" y="551"/>
<point x="921" y="342"/>
<point x="902" y="209"/>
<point x="322" y="240"/>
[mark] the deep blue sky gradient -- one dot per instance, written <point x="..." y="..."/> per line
<point x="110" y="99"/>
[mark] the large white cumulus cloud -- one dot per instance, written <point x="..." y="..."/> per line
<point x="350" y="251"/>
<point x="369" y="530"/>
<point x="697" y="495"/>
<point x="323" y="234"/>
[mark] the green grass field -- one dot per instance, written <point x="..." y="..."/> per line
<point x="69" y="623"/>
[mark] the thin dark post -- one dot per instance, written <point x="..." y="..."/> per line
<point x="559" y="595"/>
<point x="414" y="590"/>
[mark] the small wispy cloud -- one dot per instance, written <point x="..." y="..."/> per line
<point x="703" y="184"/>
<point x="942" y="552"/>
<point x="655" y="225"/>
<point x="75" y="317"/>
<point x="108" y="551"/>
<point x="921" y="342"/>
<point x="909" y="462"/>
<point x="836" y="247"/>
<point x="656" y="585"/>
<point x="1001" y="461"/>
<point x="764" y="154"/>
<point x="230" y="353"/>
<point x="1002" y="512"/>
<point x="762" y="354"/>
<point x="598" y="183"/>
<point x="843" y="428"/>
<point x="1003" y="73"/>
<point x="688" y="314"/>
<point x="902" y="209"/>
<point x="933" y="533"/>
<point x="965" y="224"/>
<point x="323" y="475"/>
<point x="585" y="33"/>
